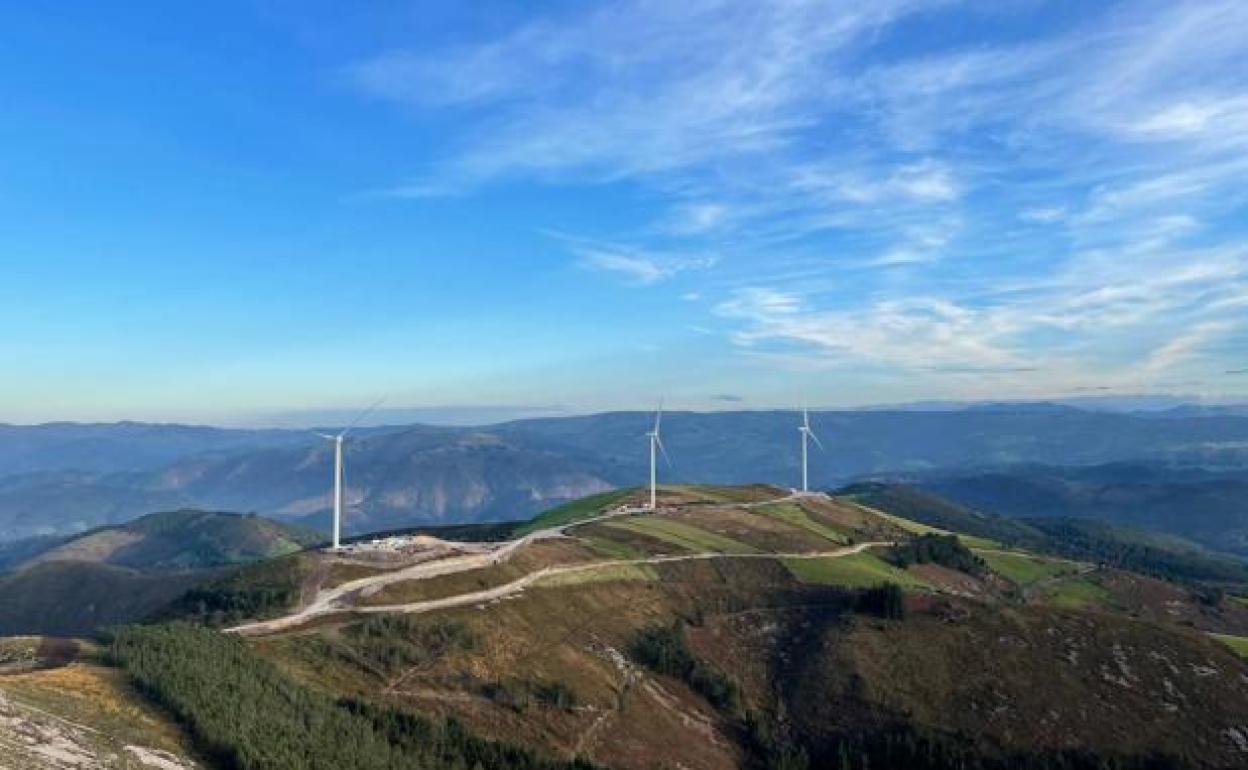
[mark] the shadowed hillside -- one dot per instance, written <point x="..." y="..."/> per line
<point x="1209" y="508"/>
<point x="120" y="574"/>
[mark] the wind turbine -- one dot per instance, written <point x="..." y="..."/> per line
<point x="340" y="470"/>
<point x="656" y="446"/>
<point x="807" y="436"/>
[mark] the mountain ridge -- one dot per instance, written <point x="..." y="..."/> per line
<point x="401" y="476"/>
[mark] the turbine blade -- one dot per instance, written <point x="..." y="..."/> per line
<point x="663" y="450"/>
<point x="359" y="418"/>
<point x="818" y="443"/>
<point x="658" y="416"/>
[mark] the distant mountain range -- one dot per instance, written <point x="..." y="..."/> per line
<point x="66" y="478"/>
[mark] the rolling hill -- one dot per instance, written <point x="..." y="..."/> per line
<point x="1093" y="540"/>
<point x="183" y="540"/>
<point x="1199" y="505"/>
<point x="78" y="598"/>
<point x="119" y="574"/>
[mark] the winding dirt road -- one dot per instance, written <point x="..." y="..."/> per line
<point x="339" y="599"/>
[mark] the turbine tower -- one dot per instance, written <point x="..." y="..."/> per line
<point x="807" y="436"/>
<point x="340" y="470"/>
<point x="656" y="446"/>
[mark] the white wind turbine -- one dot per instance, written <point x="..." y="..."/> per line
<point x="807" y="436"/>
<point x="340" y="470"/>
<point x="656" y="446"/>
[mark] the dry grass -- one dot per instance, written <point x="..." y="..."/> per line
<point x="861" y="522"/>
<point x="446" y="585"/>
<point x="795" y="515"/>
<point x="606" y="573"/>
<point x="94" y="709"/>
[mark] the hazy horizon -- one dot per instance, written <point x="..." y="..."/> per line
<point x="493" y="414"/>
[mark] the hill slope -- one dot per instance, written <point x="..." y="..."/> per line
<point x="62" y="709"/>
<point x="120" y="574"/>
<point x="76" y="598"/>
<point x="1089" y="539"/>
<point x="1208" y="508"/>
<point x="183" y="540"/>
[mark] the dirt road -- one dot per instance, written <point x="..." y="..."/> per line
<point x="339" y="599"/>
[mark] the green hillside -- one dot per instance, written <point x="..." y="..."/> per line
<point x="76" y="598"/>
<point x="121" y="574"/>
<point x="1082" y="539"/>
<point x="575" y="510"/>
<point x="182" y="540"/>
<point x="923" y="507"/>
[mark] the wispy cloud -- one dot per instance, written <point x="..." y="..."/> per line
<point x="640" y="269"/>
<point x="631" y="88"/>
<point x="637" y="266"/>
<point x="1044" y="214"/>
<point x="1010" y="208"/>
<point x="1184" y="346"/>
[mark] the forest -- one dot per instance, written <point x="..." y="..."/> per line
<point x="244" y="714"/>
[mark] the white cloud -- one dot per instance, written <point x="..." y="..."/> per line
<point x="914" y="333"/>
<point x="1182" y="119"/>
<point x="634" y="87"/>
<point x="1089" y="318"/>
<point x="1043" y="214"/>
<point x="920" y="244"/>
<point x="927" y="181"/>
<point x="697" y="218"/>
<point x="1184" y="346"/>
<point x="639" y="268"/>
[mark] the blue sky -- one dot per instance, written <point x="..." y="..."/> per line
<point x="225" y="211"/>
